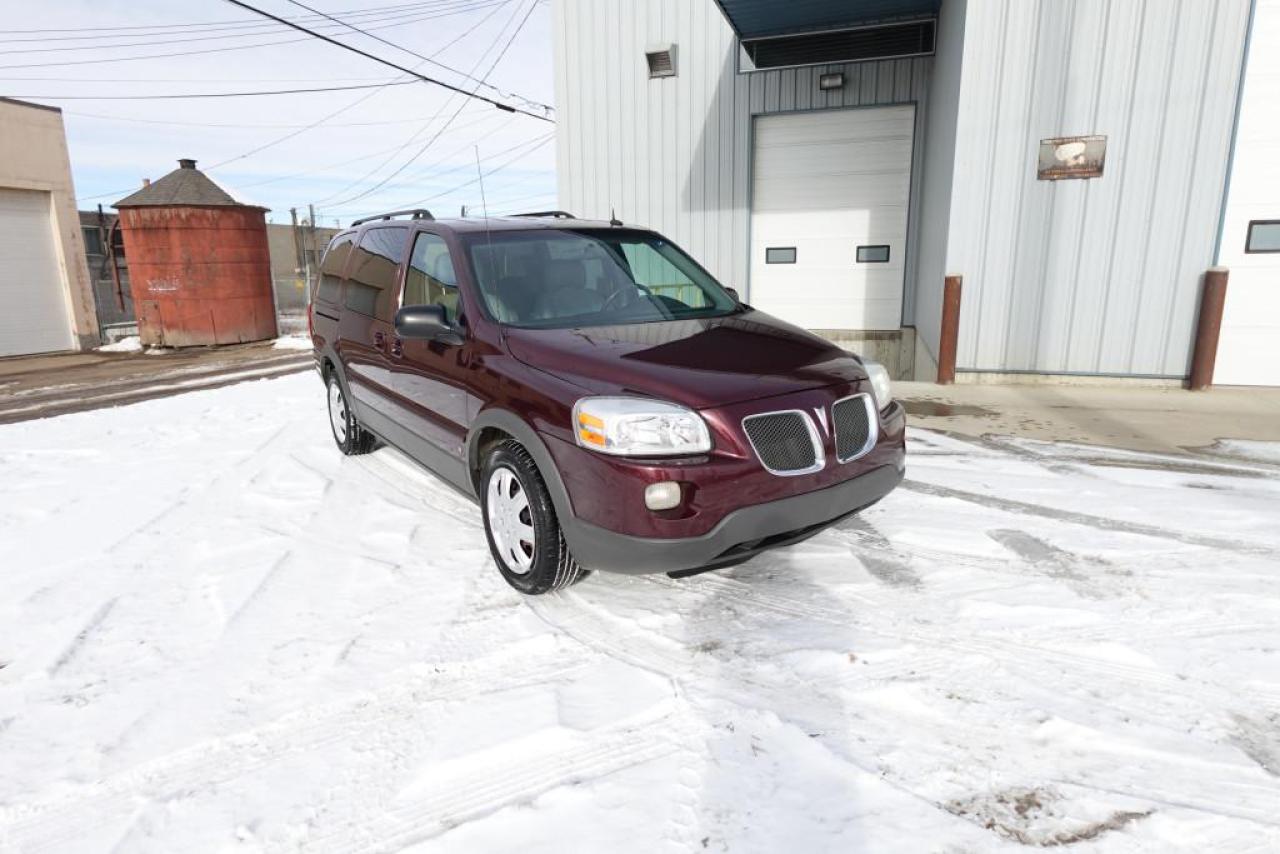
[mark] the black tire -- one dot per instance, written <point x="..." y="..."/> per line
<point x="351" y="438"/>
<point x="549" y="566"/>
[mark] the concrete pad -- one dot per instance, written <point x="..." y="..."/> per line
<point x="1166" y="420"/>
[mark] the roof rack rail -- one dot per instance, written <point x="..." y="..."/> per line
<point x="416" y="213"/>
<point x="551" y="214"/>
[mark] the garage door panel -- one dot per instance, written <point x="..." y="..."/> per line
<point x="34" y="319"/>
<point x="825" y="183"/>
<point x="1249" y="347"/>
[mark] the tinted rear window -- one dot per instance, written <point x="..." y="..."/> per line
<point x="331" y="267"/>
<point x="371" y="283"/>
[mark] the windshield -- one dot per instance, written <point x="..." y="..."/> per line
<point x="555" y="279"/>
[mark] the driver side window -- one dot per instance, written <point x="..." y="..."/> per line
<point x="430" y="279"/>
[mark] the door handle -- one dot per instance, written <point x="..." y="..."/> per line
<point x="397" y="347"/>
<point x="380" y="340"/>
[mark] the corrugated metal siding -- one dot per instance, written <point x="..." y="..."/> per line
<point x="1094" y="276"/>
<point x="674" y="154"/>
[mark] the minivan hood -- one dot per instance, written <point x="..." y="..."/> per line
<point x="699" y="363"/>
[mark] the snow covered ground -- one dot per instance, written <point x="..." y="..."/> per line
<point x="216" y="633"/>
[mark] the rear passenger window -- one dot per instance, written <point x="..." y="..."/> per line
<point x="331" y="267"/>
<point x="371" y="283"/>
<point x="431" y="279"/>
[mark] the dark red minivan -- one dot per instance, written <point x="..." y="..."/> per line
<point x="608" y="403"/>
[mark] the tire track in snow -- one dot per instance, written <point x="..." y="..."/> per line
<point x="82" y="637"/>
<point x="415" y="697"/>
<point x="453" y="799"/>
<point x="1103" y="523"/>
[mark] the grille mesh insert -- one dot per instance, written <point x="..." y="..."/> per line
<point x="853" y="428"/>
<point x="782" y="441"/>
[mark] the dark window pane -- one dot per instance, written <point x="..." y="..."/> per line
<point x="430" y="279"/>
<point x="1264" y="236"/>
<point x="873" y="254"/>
<point x="92" y="240"/>
<point x="371" y="281"/>
<point x="331" y="267"/>
<point x="780" y="255"/>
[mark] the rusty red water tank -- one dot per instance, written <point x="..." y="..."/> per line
<point x="199" y="268"/>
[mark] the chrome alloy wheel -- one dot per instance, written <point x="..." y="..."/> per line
<point x="337" y="411"/>
<point x="510" y="521"/>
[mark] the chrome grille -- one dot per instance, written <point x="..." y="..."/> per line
<point x="856" y="426"/>
<point x="785" y="442"/>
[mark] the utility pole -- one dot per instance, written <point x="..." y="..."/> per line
<point x="315" y="251"/>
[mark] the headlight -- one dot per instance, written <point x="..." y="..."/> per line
<point x="880" y="386"/>
<point x="638" y="427"/>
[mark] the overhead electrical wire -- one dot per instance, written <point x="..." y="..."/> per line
<point x="488" y="116"/>
<point x="227" y="48"/>
<point x="468" y="31"/>
<point x="357" y="101"/>
<point x="185" y="24"/>
<point x="414" y="53"/>
<point x="263" y="29"/>
<point x="431" y="141"/>
<point x="424" y="78"/>
<point x="526" y="147"/>
<point x="233" y="126"/>
<point x="480" y="58"/>
<point x="187" y="95"/>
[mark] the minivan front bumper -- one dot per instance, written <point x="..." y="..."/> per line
<point x="740" y="535"/>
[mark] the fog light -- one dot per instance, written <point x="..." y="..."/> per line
<point x="662" y="496"/>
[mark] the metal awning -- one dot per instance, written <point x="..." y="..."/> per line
<point x="754" y="19"/>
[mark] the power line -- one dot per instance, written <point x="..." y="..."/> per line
<point x="246" y="22"/>
<point x="357" y="101"/>
<point x="353" y="27"/>
<point x="528" y="146"/>
<point x="214" y="94"/>
<point x="261" y="28"/>
<point x="388" y="63"/>
<point x="187" y="53"/>
<point x="232" y="126"/>
<point x="480" y="58"/>
<point x="431" y="141"/>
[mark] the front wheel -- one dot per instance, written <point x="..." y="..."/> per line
<point x="521" y="525"/>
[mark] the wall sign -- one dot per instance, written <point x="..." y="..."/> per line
<point x="1071" y="157"/>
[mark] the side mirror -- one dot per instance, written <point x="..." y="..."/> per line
<point x="733" y="293"/>
<point x="428" y="322"/>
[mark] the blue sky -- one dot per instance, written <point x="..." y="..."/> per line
<point x="371" y="149"/>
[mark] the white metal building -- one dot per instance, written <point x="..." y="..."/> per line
<point x="45" y="292"/>
<point x="1080" y="163"/>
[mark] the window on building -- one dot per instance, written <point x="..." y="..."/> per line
<point x="335" y="258"/>
<point x="780" y="255"/>
<point x="873" y="254"/>
<point x="1264" y="236"/>
<point x="371" y="282"/>
<point x="430" y="279"/>
<point x="92" y="240"/>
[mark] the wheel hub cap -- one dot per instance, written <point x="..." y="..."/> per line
<point x="337" y="412"/>
<point x="510" y="521"/>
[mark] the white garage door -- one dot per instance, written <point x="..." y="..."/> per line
<point x="33" y="315"/>
<point x="1249" y="349"/>
<point x="830" y="191"/>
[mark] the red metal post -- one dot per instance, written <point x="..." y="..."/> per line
<point x="950" y="330"/>
<point x="1212" y="301"/>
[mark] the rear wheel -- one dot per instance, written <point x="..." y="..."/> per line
<point x="521" y="525"/>
<point x="351" y="438"/>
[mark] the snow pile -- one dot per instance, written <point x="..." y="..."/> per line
<point x="251" y="641"/>
<point x="293" y="342"/>
<point x="131" y="344"/>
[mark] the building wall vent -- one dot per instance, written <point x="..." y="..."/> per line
<point x="661" y="59"/>
<point x="881" y="41"/>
